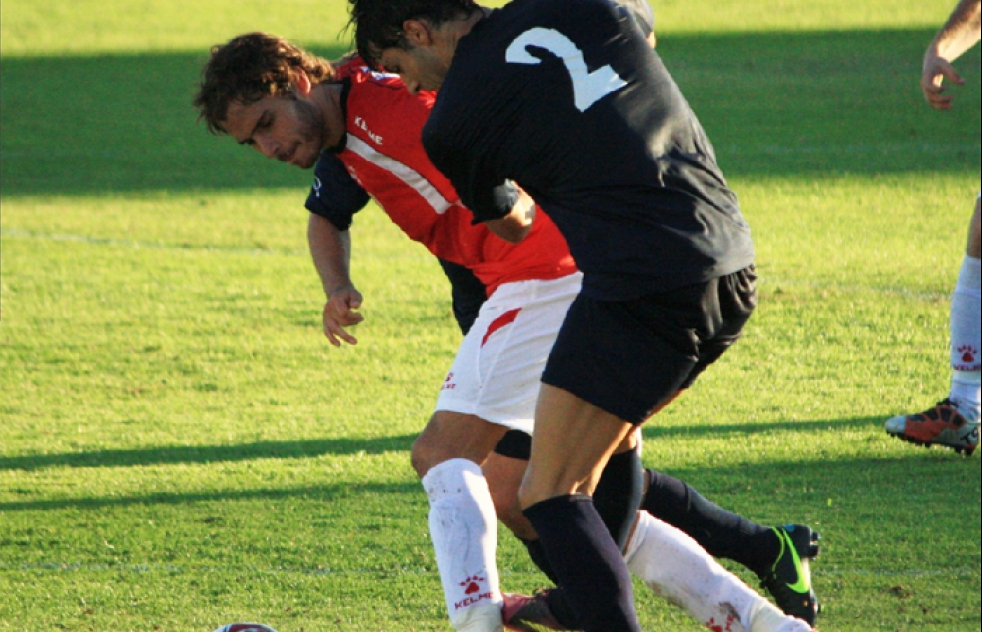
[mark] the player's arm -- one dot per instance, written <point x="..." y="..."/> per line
<point x="517" y="224"/>
<point x="507" y="210"/>
<point x="330" y="250"/>
<point x="334" y="199"/>
<point x="960" y="33"/>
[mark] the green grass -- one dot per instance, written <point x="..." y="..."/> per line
<point x="179" y="447"/>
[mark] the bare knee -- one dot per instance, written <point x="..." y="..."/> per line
<point x="422" y="456"/>
<point x="450" y="435"/>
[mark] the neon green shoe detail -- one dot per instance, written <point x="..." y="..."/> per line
<point x="789" y="579"/>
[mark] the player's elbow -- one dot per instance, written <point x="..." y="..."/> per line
<point x="511" y="231"/>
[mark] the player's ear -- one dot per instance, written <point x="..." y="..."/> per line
<point x="417" y="32"/>
<point x="301" y="83"/>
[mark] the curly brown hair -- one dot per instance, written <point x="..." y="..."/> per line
<point x="250" y="67"/>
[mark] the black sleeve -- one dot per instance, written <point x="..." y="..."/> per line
<point x="487" y="196"/>
<point x="467" y="291"/>
<point x="335" y="195"/>
<point x="644" y="15"/>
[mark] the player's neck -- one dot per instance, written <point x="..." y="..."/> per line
<point x="328" y="97"/>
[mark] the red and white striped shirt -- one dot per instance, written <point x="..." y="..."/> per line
<point x="384" y="154"/>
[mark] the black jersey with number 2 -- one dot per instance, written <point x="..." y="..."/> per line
<point x="567" y="99"/>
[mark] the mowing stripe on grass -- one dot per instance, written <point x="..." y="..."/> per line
<point x="905" y="292"/>
<point x="148" y="245"/>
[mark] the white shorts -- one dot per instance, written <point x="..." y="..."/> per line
<point x="496" y="373"/>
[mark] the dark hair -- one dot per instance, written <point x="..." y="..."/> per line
<point x="378" y="23"/>
<point x="248" y="68"/>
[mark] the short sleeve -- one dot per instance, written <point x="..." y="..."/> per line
<point x="335" y="195"/>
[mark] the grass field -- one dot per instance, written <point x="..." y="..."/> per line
<point x="180" y="447"/>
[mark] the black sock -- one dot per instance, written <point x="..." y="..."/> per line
<point x="619" y="494"/>
<point x="587" y="563"/>
<point x="722" y="533"/>
<point x="538" y="556"/>
<point x="561" y="609"/>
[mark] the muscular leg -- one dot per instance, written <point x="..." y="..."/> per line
<point x="572" y="443"/>
<point x="462" y="521"/>
<point x="450" y="435"/>
<point x="504" y="475"/>
<point x="722" y="533"/>
<point x="669" y="562"/>
<point x="618" y="493"/>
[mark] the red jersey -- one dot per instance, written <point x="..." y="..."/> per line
<point x="384" y="154"/>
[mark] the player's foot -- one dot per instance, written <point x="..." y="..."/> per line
<point x="789" y="578"/>
<point x="766" y="618"/>
<point x="529" y="614"/>
<point x="942" y="424"/>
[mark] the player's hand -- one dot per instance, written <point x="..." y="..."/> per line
<point x="339" y="312"/>
<point x="936" y="71"/>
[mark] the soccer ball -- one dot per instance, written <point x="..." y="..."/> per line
<point x="245" y="627"/>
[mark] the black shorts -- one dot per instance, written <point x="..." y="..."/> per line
<point x="516" y="444"/>
<point x="629" y="357"/>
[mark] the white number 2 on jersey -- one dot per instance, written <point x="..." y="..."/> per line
<point x="588" y="87"/>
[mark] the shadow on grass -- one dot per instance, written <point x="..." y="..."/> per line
<point x="773" y="103"/>
<point x="866" y="483"/>
<point x="319" y="494"/>
<point x="210" y="454"/>
<point x="339" y="447"/>
<point x="653" y="431"/>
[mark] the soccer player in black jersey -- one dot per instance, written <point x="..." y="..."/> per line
<point x="566" y="99"/>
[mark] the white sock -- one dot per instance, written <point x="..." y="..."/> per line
<point x="675" y="567"/>
<point x="966" y="339"/>
<point x="464" y="530"/>
<point x="767" y="618"/>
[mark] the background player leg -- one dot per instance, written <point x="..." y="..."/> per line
<point x="954" y="421"/>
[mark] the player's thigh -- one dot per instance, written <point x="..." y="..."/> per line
<point x="572" y="443"/>
<point x="504" y="475"/>
<point x="452" y="435"/>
